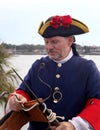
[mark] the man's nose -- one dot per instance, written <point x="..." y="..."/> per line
<point x="49" y="46"/>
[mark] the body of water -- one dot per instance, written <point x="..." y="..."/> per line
<point x="22" y="63"/>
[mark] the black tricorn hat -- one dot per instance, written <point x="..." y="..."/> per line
<point x="62" y="26"/>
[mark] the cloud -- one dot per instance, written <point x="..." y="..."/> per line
<point x="19" y="19"/>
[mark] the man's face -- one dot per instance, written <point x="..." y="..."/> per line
<point x="58" y="47"/>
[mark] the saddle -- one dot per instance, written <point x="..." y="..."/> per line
<point x="16" y="120"/>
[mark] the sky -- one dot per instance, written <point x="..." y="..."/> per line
<point x="20" y="19"/>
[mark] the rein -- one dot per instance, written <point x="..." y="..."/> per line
<point x="23" y="106"/>
<point x="50" y="117"/>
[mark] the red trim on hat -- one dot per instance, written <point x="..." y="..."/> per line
<point x="23" y="93"/>
<point x="91" y="113"/>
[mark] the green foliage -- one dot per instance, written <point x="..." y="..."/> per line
<point x="7" y="76"/>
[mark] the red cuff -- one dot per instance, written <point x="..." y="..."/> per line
<point x="23" y="93"/>
<point x="91" y="113"/>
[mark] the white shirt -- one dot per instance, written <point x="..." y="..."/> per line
<point x="80" y="124"/>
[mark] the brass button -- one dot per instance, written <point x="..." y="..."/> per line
<point x="59" y="64"/>
<point x="56" y="88"/>
<point x="58" y="76"/>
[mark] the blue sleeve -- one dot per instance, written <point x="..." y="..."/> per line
<point x="93" y="81"/>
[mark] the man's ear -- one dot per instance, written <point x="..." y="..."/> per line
<point x="71" y="40"/>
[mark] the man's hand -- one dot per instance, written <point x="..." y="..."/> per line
<point x="14" y="102"/>
<point x="64" y="126"/>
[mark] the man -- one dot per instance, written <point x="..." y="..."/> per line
<point x="74" y="81"/>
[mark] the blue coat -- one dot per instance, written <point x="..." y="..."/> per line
<point x="78" y="80"/>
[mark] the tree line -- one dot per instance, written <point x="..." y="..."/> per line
<point x="40" y="49"/>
